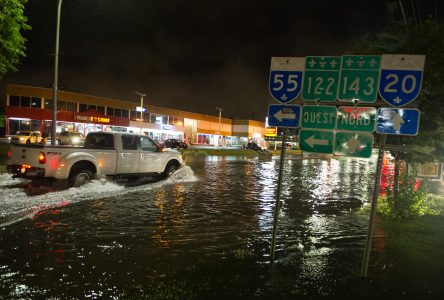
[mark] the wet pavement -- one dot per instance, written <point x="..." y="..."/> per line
<point x="204" y="233"/>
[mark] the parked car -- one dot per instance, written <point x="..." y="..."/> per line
<point x="71" y="138"/>
<point x="175" y="144"/>
<point x="26" y="137"/>
<point x="253" y="146"/>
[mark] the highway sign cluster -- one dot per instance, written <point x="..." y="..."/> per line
<point x="347" y="78"/>
<point x="345" y="130"/>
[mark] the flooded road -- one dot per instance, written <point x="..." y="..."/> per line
<point x="204" y="233"/>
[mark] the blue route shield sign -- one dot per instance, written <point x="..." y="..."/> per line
<point x="401" y="78"/>
<point x="284" y="115"/>
<point x="399" y="121"/>
<point x="286" y="74"/>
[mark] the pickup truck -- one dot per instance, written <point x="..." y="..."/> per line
<point x="103" y="154"/>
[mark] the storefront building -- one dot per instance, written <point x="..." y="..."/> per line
<point x="30" y="108"/>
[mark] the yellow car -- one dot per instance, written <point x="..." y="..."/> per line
<point x="26" y="137"/>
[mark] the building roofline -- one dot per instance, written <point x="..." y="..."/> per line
<point x="34" y="91"/>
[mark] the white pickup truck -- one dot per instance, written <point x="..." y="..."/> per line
<point x="103" y="154"/>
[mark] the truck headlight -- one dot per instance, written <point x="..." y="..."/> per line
<point x="75" y="140"/>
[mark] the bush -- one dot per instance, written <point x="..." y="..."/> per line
<point x="412" y="201"/>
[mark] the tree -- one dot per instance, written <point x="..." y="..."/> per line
<point x="12" y="44"/>
<point x="408" y="33"/>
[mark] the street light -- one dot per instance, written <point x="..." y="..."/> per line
<point x="141" y="109"/>
<point x="56" y="75"/>
<point x="220" y="114"/>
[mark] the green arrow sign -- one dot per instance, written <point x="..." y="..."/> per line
<point x="358" y="144"/>
<point x="316" y="141"/>
<point x="318" y="116"/>
<point x="359" y="78"/>
<point x="321" y="78"/>
<point x="353" y="118"/>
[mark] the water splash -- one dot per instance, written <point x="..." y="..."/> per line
<point x="184" y="174"/>
<point x="16" y="204"/>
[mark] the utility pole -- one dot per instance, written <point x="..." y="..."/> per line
<point x="141" y="109"/>
<point x="220" y="115"/>
<point x="56" y="77"/>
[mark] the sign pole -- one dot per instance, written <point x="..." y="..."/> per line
<point x="371" y="225"/>
<point x="278" y="197"/>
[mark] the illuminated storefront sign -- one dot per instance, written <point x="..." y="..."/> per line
<point x="92" y="119"/>
<point x="271" y="131"/>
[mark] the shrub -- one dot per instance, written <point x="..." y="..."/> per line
<point x="412" y="201"/>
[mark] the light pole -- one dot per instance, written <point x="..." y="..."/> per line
<point x="56" y="77"/>
<point x="220" y="115"/>
<point x="141" y="109"/>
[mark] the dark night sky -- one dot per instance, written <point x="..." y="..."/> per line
<point x="190" y="55"/>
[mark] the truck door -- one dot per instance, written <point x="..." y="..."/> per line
<point x="150" y="159"/>
<point x="128" y="158"/>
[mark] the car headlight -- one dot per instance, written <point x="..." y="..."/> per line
<point x="75" y="140"/>
<point x="22" y="139"/>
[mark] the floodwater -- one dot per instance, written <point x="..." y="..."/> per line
<point x="204" y="233"/>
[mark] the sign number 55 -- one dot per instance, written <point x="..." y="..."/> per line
<point x="285" y="85"/>
<point x="285" y="82"/>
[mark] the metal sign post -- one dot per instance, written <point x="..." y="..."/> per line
<point x="371" y="226"/>
<point x="278" y="198"/>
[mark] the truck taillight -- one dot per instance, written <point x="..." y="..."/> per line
<point x="42" y="158"/>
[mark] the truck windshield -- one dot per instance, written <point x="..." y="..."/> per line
<point x="99" y="140"/>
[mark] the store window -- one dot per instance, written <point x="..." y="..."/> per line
<point x="135" y="115"/>
<point x="125" y="113"/>
<point x="159" y="119"/>
<point x="25" y="101"/>
<point x="110" y="111"/>
<point x="36" y="102"/>
<point x="71" y="106"/>
<point x="91" y="107"/>
<point x="101" y="109"/>
<point x="48" y="103"/>
<point x="14" y="100"/>
<point x="61" y="105"/>
<point x="23" y="125"/>
<point x="83" y="107"/>
<point x="117" y="112"/>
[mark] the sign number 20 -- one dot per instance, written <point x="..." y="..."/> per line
<point x="394" y="79"/>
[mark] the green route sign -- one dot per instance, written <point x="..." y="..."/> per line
<point x="318" y="116"/>
<point x="319" y="141"/>
<point x="357" y="144"/>
<point x="359" y="78"/>
<point x="353" y="118"/>
<point x="321" y="78"/>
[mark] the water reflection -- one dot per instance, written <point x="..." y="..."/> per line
<point x="107" y="238"/>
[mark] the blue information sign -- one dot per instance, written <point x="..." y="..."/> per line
<point x="286" y="78"/>
<point x="401" y="78"/>
<point x="400" y="121"/>
<point x="280" y="115"/>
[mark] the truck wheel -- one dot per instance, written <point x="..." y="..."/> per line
<point x="169" y="170"/>
<point x="80" y="177"/>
